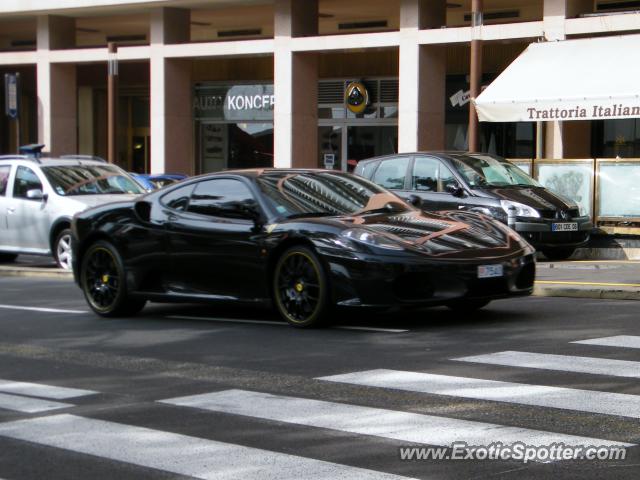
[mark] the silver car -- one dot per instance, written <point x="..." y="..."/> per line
<point x="38" y="198"/>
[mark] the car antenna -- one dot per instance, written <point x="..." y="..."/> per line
<point x="33" y="150"/>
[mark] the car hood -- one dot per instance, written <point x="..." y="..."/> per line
<point x="448" y="234"/>
<point x="94" y="200"/>
<point x="537" y="197"/>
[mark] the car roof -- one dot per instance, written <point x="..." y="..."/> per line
<point x="440" y="153"/>
<point x="50" y="162"/>
<point x="257" y="172"/>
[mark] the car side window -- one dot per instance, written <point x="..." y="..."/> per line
<point x="26" y="179"/>
<point x="177" y="199"/>
<point x="221" y="197"/>
<point x="431" y="175"/>
<point x="391" y="173"/>
<point x="5" y="170"/>
<point x="369" y="168"/>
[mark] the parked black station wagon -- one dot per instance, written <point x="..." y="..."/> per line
<point x="302" y="240"/>
<point x="487" y="184"/>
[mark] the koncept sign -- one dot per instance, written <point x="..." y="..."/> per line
<point x="235" y="102"/>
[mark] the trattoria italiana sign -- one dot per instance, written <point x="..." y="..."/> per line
<point x="592" y="112"/>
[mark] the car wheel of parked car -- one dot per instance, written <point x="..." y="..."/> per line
<point x="468" y="306"/>
<point x="103" y="280"/>
<point x="7" y="257"/>
<point x="558" y="253"/>
<point x="300" y="288"/>
<point x="62" y="249"/>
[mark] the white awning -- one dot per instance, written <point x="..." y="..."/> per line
<point x="586" y="79"/>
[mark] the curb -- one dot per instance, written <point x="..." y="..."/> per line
<point x="35" y="272"/>
<point x="587" y="292"/>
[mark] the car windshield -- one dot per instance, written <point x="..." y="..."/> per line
<point x="487" y="171"/>
<point x="300" y="194"/>
<point x="69" y="180"/>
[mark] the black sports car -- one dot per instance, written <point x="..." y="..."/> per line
<point x="305" y="240"/>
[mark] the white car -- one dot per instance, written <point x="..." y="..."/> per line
<point x="38" y="198"/>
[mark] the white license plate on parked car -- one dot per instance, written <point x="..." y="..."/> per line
<point x="564" y="227"/>
<point x="490" y="271"/>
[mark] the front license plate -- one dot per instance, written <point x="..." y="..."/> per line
<point x="490" y="271"/>
<point x="564" y="227"/>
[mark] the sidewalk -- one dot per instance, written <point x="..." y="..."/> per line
<point x="612" y="279"/>
<point x="607" y="279"/>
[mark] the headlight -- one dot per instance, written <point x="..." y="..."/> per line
<point x="375" y="239"/>
<point x="522" y="210"/>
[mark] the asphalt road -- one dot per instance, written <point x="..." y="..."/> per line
<point x="210" y="396"/>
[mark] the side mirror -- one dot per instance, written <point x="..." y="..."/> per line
<point x="36" y="194"/>
<point x="455" y="189"/>
<point x="250" y="211"/>
<point x="415" y="200"/>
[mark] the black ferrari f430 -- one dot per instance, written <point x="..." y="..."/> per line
<point x="305" y="241"/>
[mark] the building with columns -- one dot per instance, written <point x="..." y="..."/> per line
<point x="212" y="84"/>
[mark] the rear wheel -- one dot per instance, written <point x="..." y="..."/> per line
<point x="300" y="288"/>
<point x="7" y="257"/>
<point x="468" y="306"/>
<point x="558" y="253"/>
<point x="62" y="249"/>
<point x="102" y="275"/>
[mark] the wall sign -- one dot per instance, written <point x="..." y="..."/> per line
<point x="356" y="97"/>
<point x="12" y="94"/>
<point x="234" y="102"/>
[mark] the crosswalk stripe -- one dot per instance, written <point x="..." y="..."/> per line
<point x="176" y="453"/>
<point x="563" y="363"/>
<point x="42" y="390"/>
<point x="29" y="405"/>
<point x="534" y="395"/>
<point x="623" y="341"/>
<point x="404" y="426"/>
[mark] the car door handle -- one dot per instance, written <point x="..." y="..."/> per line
<point x="11" y="210"/>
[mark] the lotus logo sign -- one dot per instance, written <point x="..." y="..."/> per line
<point x="357" y="97"/>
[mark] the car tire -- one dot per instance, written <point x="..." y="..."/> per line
<point x="468" y="306"/>
<point x="558" y="253"/>
<point x="8" y="257"/>
<point x="300" y="288"/>
<point x="103" y="282"/>
<point x="62" y="249"/>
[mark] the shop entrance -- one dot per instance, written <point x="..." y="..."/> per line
<point x="347" y="144"/>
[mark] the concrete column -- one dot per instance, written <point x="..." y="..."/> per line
<point x="171" y="115"/>
<point x="295" y="86"/>
<point x="554" y="15"/>
<point x="422" y="76"/>
<point x="56" y="87"/>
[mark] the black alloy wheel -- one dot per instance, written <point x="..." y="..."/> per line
<point x="300" y="288"/>
<point x="103" y="282"/>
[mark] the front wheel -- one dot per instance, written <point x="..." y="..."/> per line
<point x="62" y="249"/>
<point x="468" y="306"/>
<point x="300" y="288"/>
<point x="102" y="276"/>
<point x="558" y="253"/>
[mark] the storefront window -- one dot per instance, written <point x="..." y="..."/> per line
<point x="370" y="141"/>
<point x="617" y="138"/>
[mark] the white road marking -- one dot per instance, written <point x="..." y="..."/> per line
<point x="41" y="309"/>
<point x="622" y="341"/>
<point x="562" y="363"/>
<point x="403" y="426"/>
<point x="281" y="324"/>
<point x="29" y="405"/>
<point x="535" y="395"/>
<point x="42" y="390"/>
<point x="176" y="453"/>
